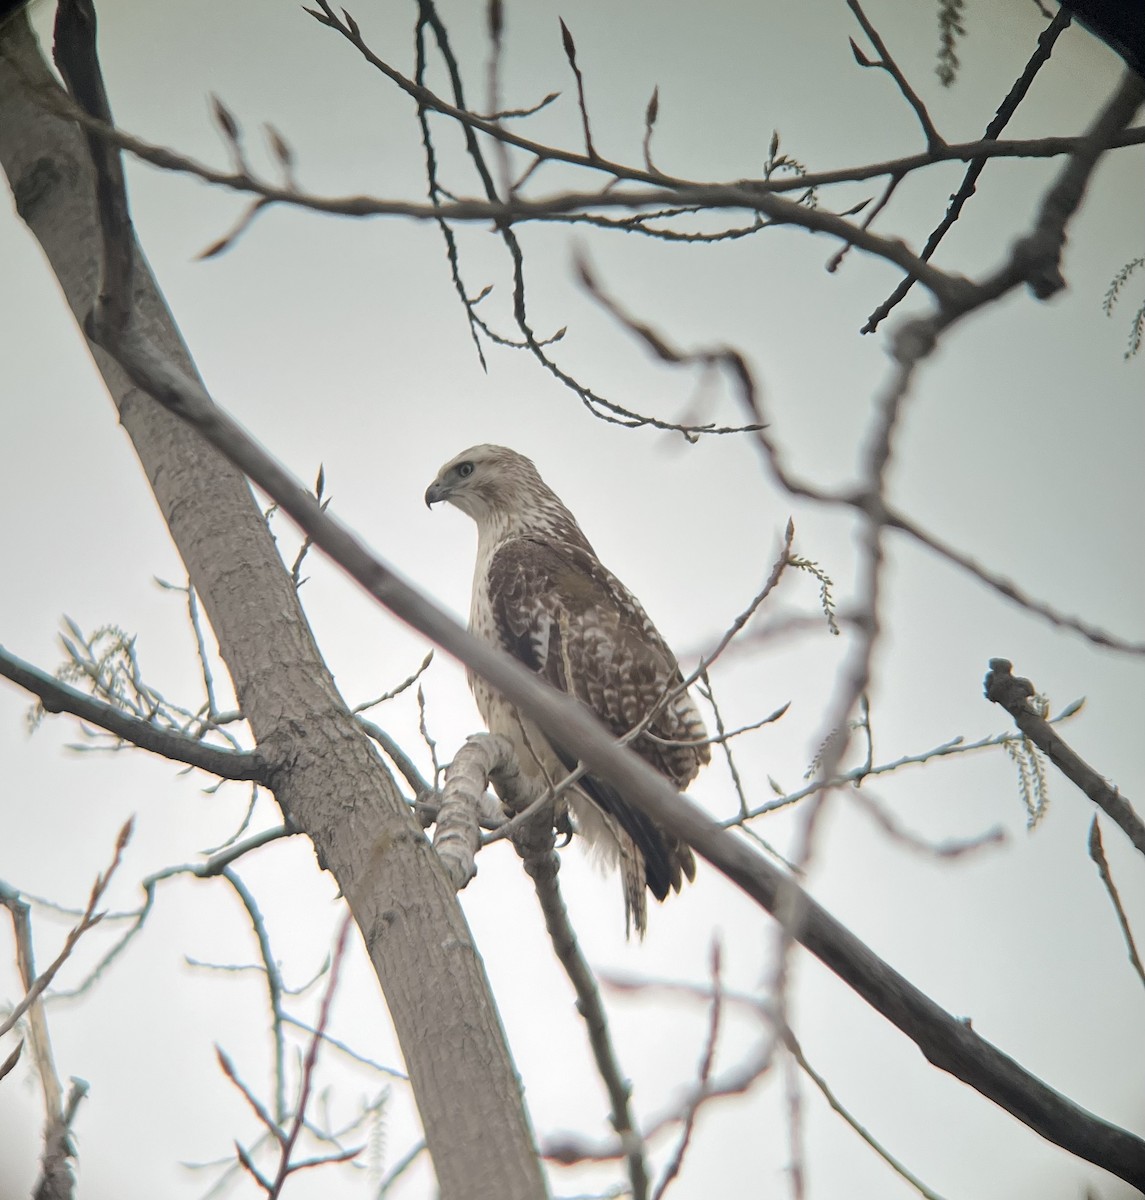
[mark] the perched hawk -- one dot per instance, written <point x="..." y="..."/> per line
<point x="541" y="594"/>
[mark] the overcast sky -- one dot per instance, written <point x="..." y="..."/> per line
<point x="342" y="343"/>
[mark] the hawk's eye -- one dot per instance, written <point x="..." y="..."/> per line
<point x="465" y="470"/>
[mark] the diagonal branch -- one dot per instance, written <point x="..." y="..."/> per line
<point x="1011" y="591"/>
<point x="1042" y="249"/>
<point x="1006" y="110"/>
<point x="934" y="140"/>
<point x="36" y="985"/>
<point x="1097" y="853"/>
<point x="58" y="697"/>
<point x="1013" y="694"/>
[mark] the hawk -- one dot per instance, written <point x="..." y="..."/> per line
<point x="541" y="594"/>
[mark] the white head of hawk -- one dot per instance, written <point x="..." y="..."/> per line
<point x="541" y="594"/>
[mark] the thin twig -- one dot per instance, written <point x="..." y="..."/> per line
<point x="934" y="141"/>
<point x="274" y="985"/>
<point x="1097" y="853"/>
<point x="285" y="1167"/>
<point x="797" y="1053"/>
<point x="684" y="190"/>
<point x="703" y="1078"/>
<point x="395" y="691"/>
<point x="419" y="785"/>
<point x="1011" y="591"/>
<point x="966" y="189"/>
<point x="570" y="54"/>
<point x="35" y="987"/>
<point x="399" y="1169"/>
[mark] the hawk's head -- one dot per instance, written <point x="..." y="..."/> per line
<point x="484" y="481"/>
<point x="503" y="492"/>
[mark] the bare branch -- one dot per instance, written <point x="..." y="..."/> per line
<point x="797" y="1053"/>
<point x="201" y="647"/>
<point x="457" y="833"/>
<point x="255" y="1105"/>
<point x="1097" y="853"/>
<point x="934" y="141"/>
<point x="738" y="194"/>
<point x="870" y="213"/>
<point x="1010" y="590"/>
<point x="739" y="1079"/>
<point x="703" y="1078"/>
<point x="286" y="1167"/>
<point x="274" y="985"/>
<point x="337" y="1044"/>
<point x="10" y="1062"/>
<point x="542" y="869"/>
<point x="570" y="54"/>
<point x="723" y="735"/>
<point x="948" y="848"/>
<point x="423" y="729"/>
<point x="1013" y="694"/>
<point x="57" y="1181"/>
<point x="1006" y="110"/>
<point x="35" y="986"/>
<point x="395" y="691"/>
<point x="58" y="697"/>
<point x="1040" y="253"/>
<point x="419" y="785"/>
<point x="427" y="15"/>
<point x="399" y="1169"/>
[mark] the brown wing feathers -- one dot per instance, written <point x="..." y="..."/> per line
<point x="563" y="615"/>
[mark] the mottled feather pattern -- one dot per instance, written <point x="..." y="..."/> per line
<point x="560" y="611"/>
<point x="541" y="594"/>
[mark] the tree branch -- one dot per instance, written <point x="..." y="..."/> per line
<point x="1042" y="250"/>
<point x="58" y="697"/>
<point x="457" y="826"/>
<point x="934" y="140"/>
<point x="34" y="984"/>
<point x="1013" y="694"/>
<point x="764" y="196"/>
<point x="488" y="758"/>
<point x="1006" y="110"/>
<point x="1011" y="591"/>
<point x="1097" y="853"/>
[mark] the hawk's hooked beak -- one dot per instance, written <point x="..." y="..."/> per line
<point x="435" y="493"/>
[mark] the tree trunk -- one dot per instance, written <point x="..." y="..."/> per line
<point x="327" y="777"/>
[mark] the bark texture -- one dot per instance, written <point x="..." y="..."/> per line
<point x="325" y="774"/>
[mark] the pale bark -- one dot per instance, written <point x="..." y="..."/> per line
<point x="326" y="776"/>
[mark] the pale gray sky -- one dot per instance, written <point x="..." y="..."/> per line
<point x="342" y="343"/>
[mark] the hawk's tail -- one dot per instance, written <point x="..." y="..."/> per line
<point x="649" y="856"/>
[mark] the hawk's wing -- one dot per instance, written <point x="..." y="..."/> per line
<point x="558" y="610"/>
